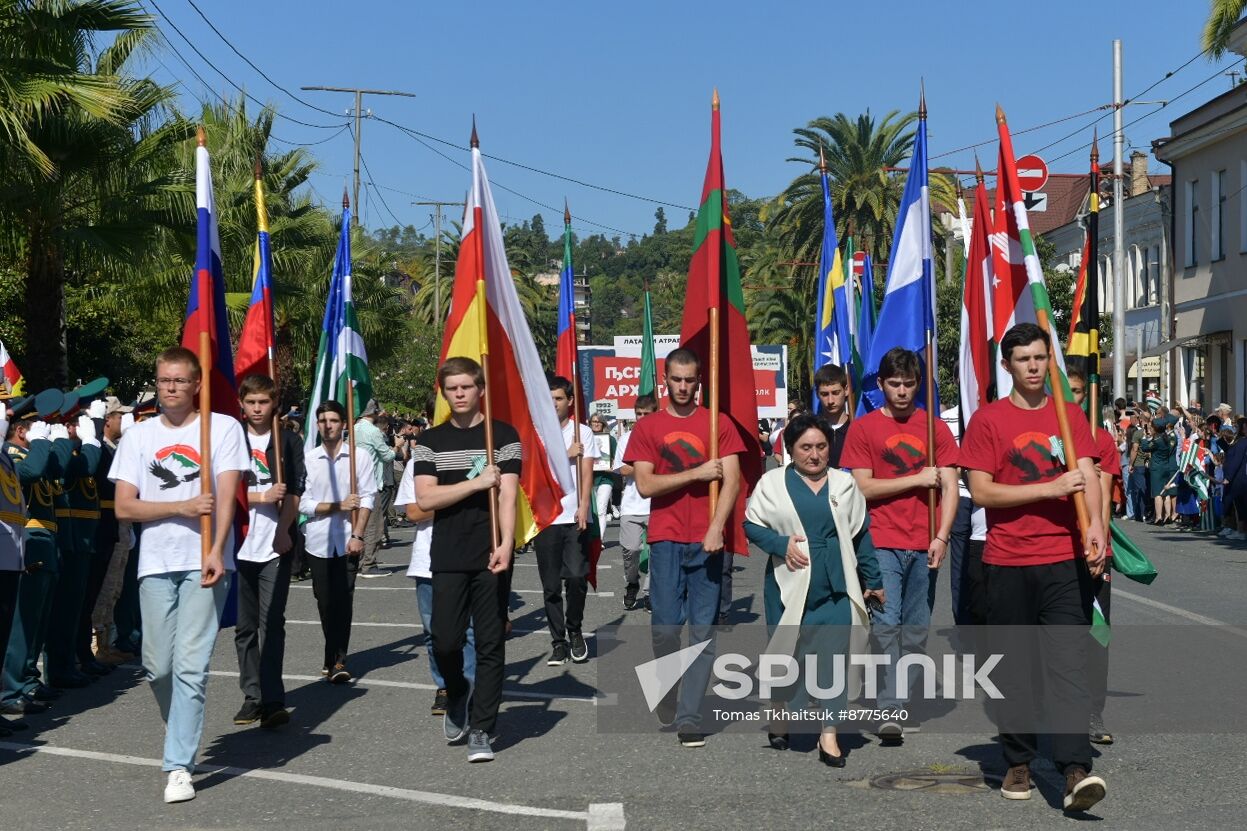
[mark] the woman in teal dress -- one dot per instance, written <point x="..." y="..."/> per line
<point x="796" y="515"/>
<point x="1162" y="443"/>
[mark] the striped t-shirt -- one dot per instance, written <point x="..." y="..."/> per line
<point x="461" y="538"/>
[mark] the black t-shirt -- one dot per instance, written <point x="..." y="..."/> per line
<point x="461" y="538"/>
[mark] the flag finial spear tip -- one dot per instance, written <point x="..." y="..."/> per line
<point x="567" y="213"/>
<point x="1095" y="147"/>
<point x="714" y="100"/>
<point x="474" y="141"/>
<point x="346" y="200"/>
<point x="822" y="159"/>
<point x="201" y="135"/>
<point x="978" y="169"/>
<point x="1000" y="114"/>
<point x="922" y="98"/>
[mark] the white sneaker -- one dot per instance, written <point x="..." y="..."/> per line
<point x="180" y="788"/>
<point x="1225" y="532"/>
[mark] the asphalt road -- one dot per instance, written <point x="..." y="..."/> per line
<point x="370" y="756"/>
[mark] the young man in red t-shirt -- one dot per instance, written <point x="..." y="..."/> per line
<point x="1036" y="568"/>
<point x="670" y="456"/>
<point x="1108" y="466"/>
<point x="886" y="450"/>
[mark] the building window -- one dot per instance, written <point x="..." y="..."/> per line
<point x="1189" y="220"/>
<point x="1217" y="204"/>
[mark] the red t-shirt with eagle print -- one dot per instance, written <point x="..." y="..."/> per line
<point x="1016" y="447"/>
<point x="673" y="445"/>
<point x="891" y="448"/>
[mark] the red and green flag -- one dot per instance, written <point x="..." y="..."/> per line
<point x="714" y="283"/>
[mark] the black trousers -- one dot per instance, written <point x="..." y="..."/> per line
<point x="563" y="561"/>
<point x="95" y="582"/>
<point x="1097" y="655"/>
<point x="1037" y="617"/>
<point x="460" y="596"/>
<point x="334" y="587"/>
<point x="260" y="633"/>
<point x="8" y="604"/>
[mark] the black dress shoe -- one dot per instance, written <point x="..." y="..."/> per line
<point x="777" y="741"/>
<point x="71" y="682"/>
<point x="22" y="707"/>
<point x="95" y="668"/>
<point x="14" y="724"/>
<point x="829" y="760"/>
<point x="45" y="694"/>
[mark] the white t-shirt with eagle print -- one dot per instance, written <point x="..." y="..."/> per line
<point x="257" y="547"/>
<point x="163" y="463"/>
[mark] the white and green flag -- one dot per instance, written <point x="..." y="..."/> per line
<point x="341" y="358"/>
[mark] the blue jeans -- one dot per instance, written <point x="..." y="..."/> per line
<point x="684" y="588"/>
<point x="901" y="629"/>
<point x="424" y="603"/>
<point x="1129" y="486"/>
<point x="180" y="622"/>
<point x="1138" y="492"/>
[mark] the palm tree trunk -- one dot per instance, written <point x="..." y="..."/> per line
<point x="46" y="361"/>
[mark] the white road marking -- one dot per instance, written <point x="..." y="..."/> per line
<point x="534" y="565"/>
<point x="1180" y="612"/>
<point x="414" y="685"/>
<point x="421" y="627"/>
<point x="599" y="817"/>
<point x="413" y="588"/>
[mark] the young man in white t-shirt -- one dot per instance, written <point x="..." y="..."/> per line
<point x="181" y="593"/>
<point x="263" y="562"/>
<point x="634" y="515"/>
<point x="563" y="546"/>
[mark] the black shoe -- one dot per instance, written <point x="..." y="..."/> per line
<point x="558" y="656"/>
<point x="340" y="674"/>
<point x="23" y="706"/>
<point x="1098" y="733"/>
<point x="273" y="716"/>
<point x="372" y="572"/>
<point x="666" y="708"/>
<point x="579" y="649"/>
<point x="721" y="620"/>
<point x="649" y="607"/>
<point x="629" y="598"/>
<point x="14" y="725"/>
<point x="439" y="703"/>
<point x="777" y="741"/>
<point x="45" y="694"/>
<point x="75" y="681"/>
<point x="690" y="738"/>
<point x="891" y="732"/>
<point x="829" y="760"/>
<point x="248" y="714"/>
<point x="95" y="668"/>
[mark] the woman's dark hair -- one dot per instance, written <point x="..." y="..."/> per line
<point x="797" y="426"/>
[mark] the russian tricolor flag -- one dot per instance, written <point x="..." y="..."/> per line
<point x="257" y="339"/>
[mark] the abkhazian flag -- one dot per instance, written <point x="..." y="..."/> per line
<point x="714" y="282"/>
<point x="493" y="321"/>
<point x="649" y="369"/>
<point x="13" y="375"/>
<point x="256" y="342"/>
<point x="1083" y="349"/>
<point x="341" y="358"/>
<point x="907" y="318"/>
<point x="566" y="356"/>
<point x="828" y="348"/>
<point x="976" y="370"/>
<point x="1020" y="289"/>
<point x="1192" y="463"/>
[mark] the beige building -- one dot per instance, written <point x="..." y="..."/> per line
<point x="1204" y="353"/>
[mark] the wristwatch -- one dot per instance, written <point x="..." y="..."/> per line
<point x="357" y="537"/>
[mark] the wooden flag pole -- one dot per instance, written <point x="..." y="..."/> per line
<point x="278" y="473"/>
<point x="575" y="379"/>
<point x="1067" y="436"/>
<point x="350" y="414"/>
<point x="1093" y="348"/>
<point x="714" y="403"/>
<point x="205" y="397"/>
<point x="483" y="322"/>
<point x="932" y="493"/>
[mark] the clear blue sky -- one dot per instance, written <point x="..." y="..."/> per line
<point x="619" y="94"/>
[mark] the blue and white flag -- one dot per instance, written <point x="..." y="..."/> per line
<point x="832" y="344"/>
<point x="908" y="312"/>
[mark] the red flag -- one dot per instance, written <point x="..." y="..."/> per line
<point x="976" y="373"/>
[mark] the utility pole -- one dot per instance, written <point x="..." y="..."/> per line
<point x="437" y="255"/>
<point x="359" y="105"/>
<point x="1119" y="236"/>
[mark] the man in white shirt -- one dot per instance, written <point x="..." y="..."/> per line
<point x="563" y="546"/>
<point x="263" y="561"/>
<point x="634" y="515"/>
<point x="181" y="591"/>
<point x="370" y="442"/>
<point x="335" y="516"/>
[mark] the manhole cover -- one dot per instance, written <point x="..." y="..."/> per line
<point x="929" y="781"/>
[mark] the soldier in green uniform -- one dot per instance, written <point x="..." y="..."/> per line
<point x="77" y="522"/>
<point x="39" y="452"/>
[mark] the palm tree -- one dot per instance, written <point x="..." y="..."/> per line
<point x="1222" y="18"/>
<point x="111" y="190"/>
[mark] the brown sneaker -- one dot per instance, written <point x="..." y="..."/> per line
<point x="1017" y="784"/>
<point x="1082" y="790"/>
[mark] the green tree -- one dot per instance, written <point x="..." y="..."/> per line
<point x="1223" y="16"/>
